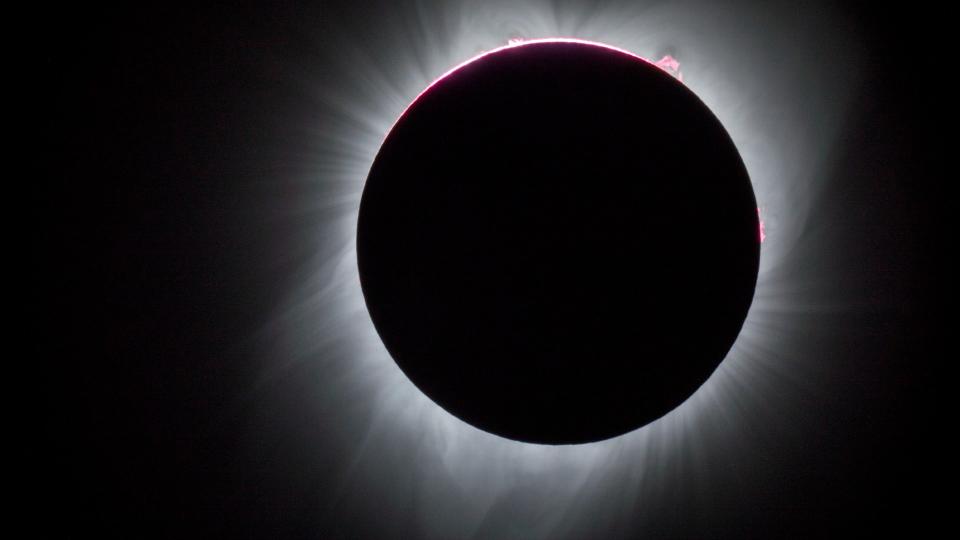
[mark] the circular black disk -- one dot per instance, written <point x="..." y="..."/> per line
<point x="558" y="242"/>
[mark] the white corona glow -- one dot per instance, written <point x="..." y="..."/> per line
<point x="459" y="474"/>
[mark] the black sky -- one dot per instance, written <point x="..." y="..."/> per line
<point x="173" y="147"/>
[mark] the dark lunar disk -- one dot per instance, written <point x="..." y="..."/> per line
<point x="558" y="242"/>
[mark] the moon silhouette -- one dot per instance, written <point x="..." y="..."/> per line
<point x="558" y="242"/>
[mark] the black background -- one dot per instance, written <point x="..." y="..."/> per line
<point x="170" y="140"/>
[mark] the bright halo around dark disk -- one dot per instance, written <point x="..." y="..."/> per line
<point x="558" y="242"/>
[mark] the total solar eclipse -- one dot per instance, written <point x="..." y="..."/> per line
<point x="558" y="242"/>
